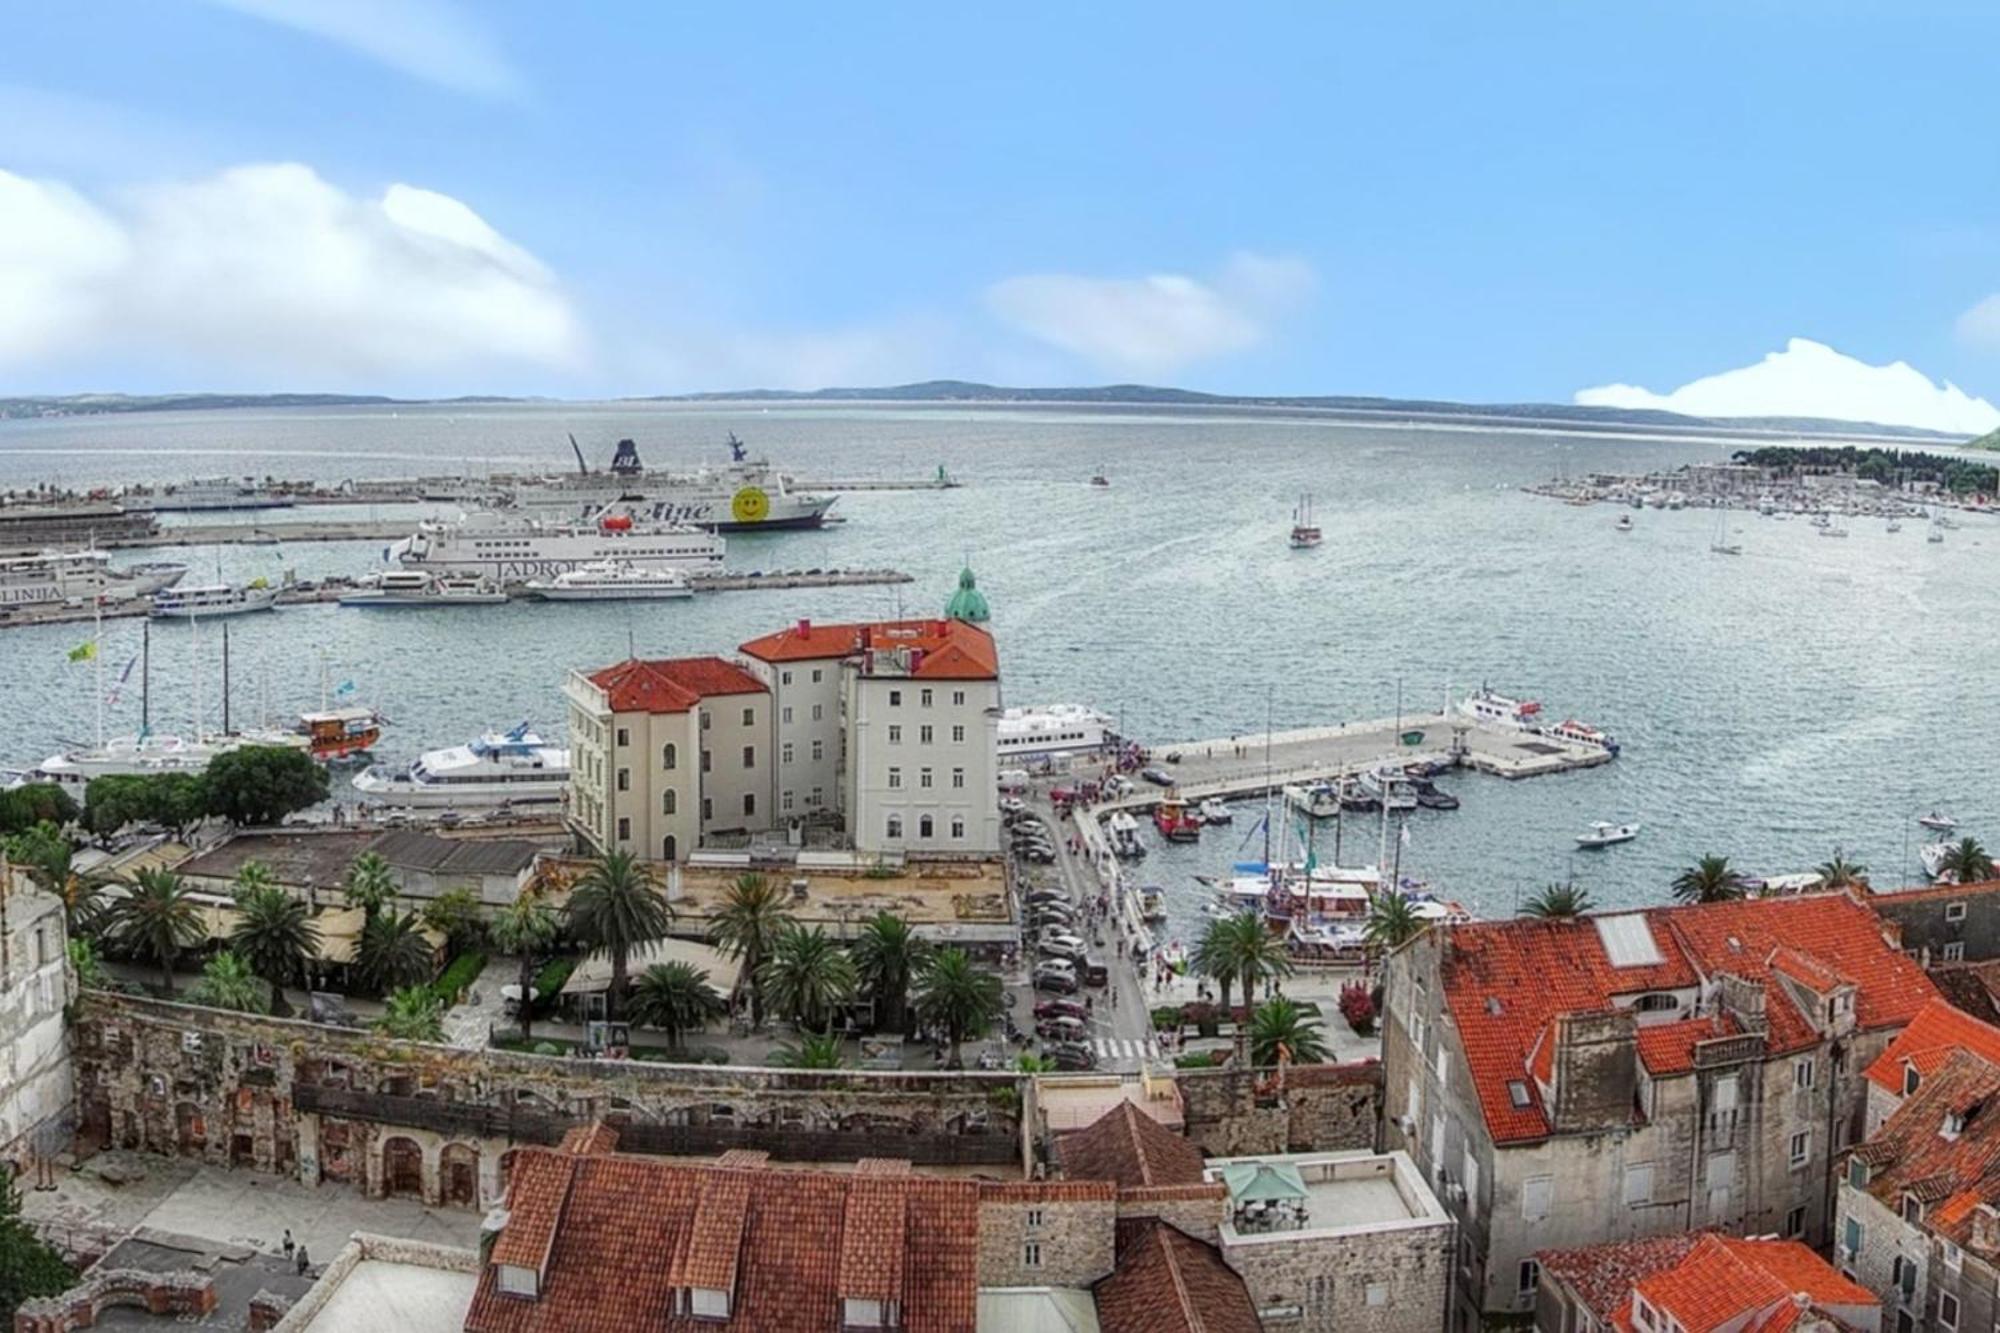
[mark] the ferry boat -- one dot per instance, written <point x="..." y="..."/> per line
<point x="1305" y="533"/>
<point x="517" y="768"/>
<point x="1577" y="733"/>
<point x="1173" y="821"/>
<point x="148" y="754"/>
<point x="208" y="601"/>
<point x="1526" y="715"/>
<point x="747" y="495"/>
<point x="511" y="549"/>
<point x="340" y="733"/>
<point x="1052" y="729"/>
<point x="612" y="581"/>
<point x="416" y="587"/>
<point x="28" y="528"/>
<point x="208" y="494"/>
<point x="76" y="578"/>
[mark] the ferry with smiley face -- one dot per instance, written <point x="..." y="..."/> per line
<point x="748" y="495"/>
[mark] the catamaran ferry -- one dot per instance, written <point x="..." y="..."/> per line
<point x="518" y="768"/>
<point x="512" y="549"/>
<point x="1526" y="715"/>
<point x="77" y="577"/>
<point x="1026" y="733"/>
<point x="747" y="495"/>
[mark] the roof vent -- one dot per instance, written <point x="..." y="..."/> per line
<point x="805" y="627"/>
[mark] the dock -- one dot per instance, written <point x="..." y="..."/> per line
<point x="938" y="483"/>
<point x="273" y="533"/>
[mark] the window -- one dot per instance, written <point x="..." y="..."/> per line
<point x="668" y="802"/>
<point x="785" y="715"/>
<point x="816" y="675"/>
<point x="1910" y="1079"/>
<point x="624" y="736"/>
<point x="1034" y="1217"/>
<point x="1947" y="1310"/>
<point x="517" y="1281"/>
<point x="924" y="778"/>
<point x="1913" y="1211"/>
<point x="1031" y="1254"/>
<point x="708" y="1303"/>
<point x="1801" y="1148"/>
<point x="819" y="751"/>
<point x="785" y="801"/>
<point x="1517" y="1093"/>
<point x="707" y="808"/>
<point x="785" y="752"/>
<point x="924" y="827"/>
<point x="1437" y="1139"/>
<point x="819" y="711"/>
<point x="957" y="828"/>
<point x="750" y="717"/>
<point x="624" y="829"/>
<point x="858" y="1313"/>
<point x="958" y="698"/>
<point x="1721" y="1170"/>
<point x="1725" y="1093"/>
<point x="1903" y="1276"/>
<point x="749" y="756"/>
<point x="895" y="827"/>
<point x="1795" y="1223"/>
<point x="925" y="699"/>
<point x="624" y="779"/>
<point x="1531" y="1276"/>
<point x="958" y="735"/>
<point x="895" y="779"/>
<point x="706" y="758"/>
<point x="1852" y="1240"/>
<point x="958" y="778"/>
<point x="1377" y="1293"/>
<point x="1657" y="1002"/>
<point x="749" y="803"/>
<point x="1954" y="911"/>
<point x="1537" y="1195"/>
<point x="1954" y="952"/>
<point x="1469" y="1174"/>
<point x="895" y="698"/>
<point x="1954" y="1258"/>
<point x="818" y="796"/>
<point x="1638" y="1184"/>
<point x="895" y="735"/>
<point x="1802" y="1073"/>
<point x="1857" y="1173"/>
<point x="1441" y="1065"/>
<point x="704" y="719"/>
<point x="668" y="756"/>
<point x="784" y="677"/>
<point x="924" y="735"/>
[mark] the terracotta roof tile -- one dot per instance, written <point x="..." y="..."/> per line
<point x="1930" y="892"/>
<point x="1910" y="1153"/>
<point x="872" y="1239"/>
<point x="1602" y="1276"/>
<point x="950" y="649"/>
<point x="595" y="1137"/>
<point x="1705" y="1280"/>
<point x="716" y="1236"/>
<point x="535" y="1193"/>
<point x="1938" y="1029"/>
<point x="1168" y="1282"/>
<point x="1130" y="1147"/>
<point x="672" y="684"/>
<point x="1048" y="1191"/>
<point x="1668" y="1048"/>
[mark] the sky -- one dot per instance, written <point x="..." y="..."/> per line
<point x="1461" y="201"/>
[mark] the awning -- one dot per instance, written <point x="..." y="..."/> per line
<point x="1260" y="1182"/>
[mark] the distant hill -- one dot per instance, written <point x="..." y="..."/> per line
<point x="1990" y="440"/>
<point x="1131" y="395"/>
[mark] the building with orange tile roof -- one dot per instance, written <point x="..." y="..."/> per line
<point x="1701" y="1282"/>
<point x="1636" y="1074"/>
<point x="1938" y="1031"/>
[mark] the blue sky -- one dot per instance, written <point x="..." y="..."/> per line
<point x="1475" y="201"/>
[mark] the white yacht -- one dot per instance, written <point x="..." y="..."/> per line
<point x="1389" y="785"/>
<point x="517" y="768"/>
<point x="1052" y="729"/>
<point x="745" y="496"/>
<point x="125" y="756"/>
<point x="1602" y="834"/>
<point x="205" y="601"/>
<point x="416" y="587"/>
<point x="612" y="581"/>
<point x="56" y="578"/>
<point x="511" y="549"/>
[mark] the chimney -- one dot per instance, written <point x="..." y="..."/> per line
<point x="805" y="627"/>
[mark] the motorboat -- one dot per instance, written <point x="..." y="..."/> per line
<point x="399" y="588"/>
<point x="1830" y="531"/>
<point x="1215" y="811"/>
<point x="1624" y="523"/>
<point x="1320" y="800"/>
<point x="514" y="768"/>
<point x="1938" y="822"/>
<point x="1389" y="785"/>
<point x="1305" y="532"/>
<point x="1173" y="821"/>
<point x="1100" y="478"/>
<point x="1603" y="834"/>
<point x="612" y="581"/>
<point x="209" y="601"/>
<point x="1932" y="857"/>
<point x="1152" y="905"/>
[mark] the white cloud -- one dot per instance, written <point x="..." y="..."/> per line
<point x="1810" y="379"/>
<point x="1158" y="324"/>
<point x="433" y="40"/>
<point x="271" y="273"/>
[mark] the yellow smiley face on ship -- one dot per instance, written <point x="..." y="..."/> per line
<point x="750" y="505"/>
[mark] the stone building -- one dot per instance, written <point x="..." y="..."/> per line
<point x="313" y="863"/>
<point x="1563" y="1084"/>
<point x="1699" y="1280"/>
<point x="36" y="1081"/>
<point x="1938" y="1031"/>
<point x="1944" y="923"/>
<point x="1299" y="1108"/>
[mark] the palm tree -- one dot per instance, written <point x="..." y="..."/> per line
<point x="888" y="955"/>
<point x="392" y="953"/>
<point x="815" y="1050"/>
<point x="228" y="983"/>
<point x="1030" y="1063"/>
<point x="158" y="919"/>
<point x="1254" y="951"/>
<point x="958" y="997"/>
<point x="1967" y="862"/>
<point x="1841" y="873"/>
<point x="371" y="885"/>
<point x="1392" y="922"/>
<point x="754" y="913"/>
<point x="46" y="855"/>
<point x="808" y="976"/>
<point x="414" y="1013"/>
<point x="525" y="929"/>
<point x="1558" y="902"/>
<point x="1281" y="1028"/>
<point x="1709" y="880"/>
<point x="253" y="875"/>
<point x="1214" y="960"/>
<point x="273" y="936"/>
<point x="676" y="998"/>
<point x="616" y="906"/>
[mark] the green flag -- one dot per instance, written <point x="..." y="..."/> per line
<point x="83" y="652"/>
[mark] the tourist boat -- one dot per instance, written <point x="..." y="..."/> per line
<point x="334" y="734"/>
<point x="147" y="755"/>
<point x="517" y="768"/>
<point x="209" y="494"/>
<point x="209" y="601"/>
<point x="1604" y="834"/>
<point x="1215" y="811"/>
<point x="1125" y="842"/>
<point x="77" y="578"/>
<point x="1173" y="821"/>
<point x="1624" y="523"/>
<point x="1578" y="733"/>
<point x="511" y="549"/>
<point x="1305" y="533"/>
<point x="1938" y="822"/>
<point x="1499" y="710"/>
<point x="400" y="588"/>
<point x="1023" y="733"/>
<point x="1389" y="786"/>
<point x="747" y="495"/>
<point x="613" y="581"/>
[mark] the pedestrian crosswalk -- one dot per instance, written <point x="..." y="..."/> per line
<point x="1126" y="1048"/>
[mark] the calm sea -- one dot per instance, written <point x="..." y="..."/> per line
<point x="1809" y="694"/>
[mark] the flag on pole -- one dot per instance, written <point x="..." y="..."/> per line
<point x="345" y="687"/>
<point x="83" y="652"/>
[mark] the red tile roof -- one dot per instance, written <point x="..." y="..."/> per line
<point x="1668" y="1048"/>
<point x="1703" y="1279"/>
<point x="672" y="684"/>
<point x="1602" y="1276"/>
<point x="1933" y="891"/>
<point x="1506" y="981"/>
<point x="1130" y="1147"/>
<point x="1168" y="1282"/>
<point x="631" y="1226"/>
<point x="1938" y="1029"/>
<point x="950" y="649"/>
<point x="1911" y="1155"/>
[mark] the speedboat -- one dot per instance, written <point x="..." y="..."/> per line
<point x="1932" y="856"/>
<point x="1213" y="811"/>
<point x="1389" y="785"/>
<point x="517" y="768"/>
<point x="612" y="581"/>
<point x="1603" y="834"/>
<point x="1938" y="822"/>
<point x="204" y="601"/>
<point x="1624" y="523"/>
<point x="1152" y="905"/>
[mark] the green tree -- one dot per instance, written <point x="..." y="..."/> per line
<point x="1213" y="959"/>
<point x="455" y="915"/>
<point x="412" y="1013"/>
<point x="176" y="801"/>
<point x="1030" y="1063"/>
<point x="1279" y="1027"/>
<point x="393" y="953"/>
<point x="808" y="976"/>
<point x="527" y="930"/>
<point x="1709" y="880"/>
<point x="1244" y="945"/>
<point x="814" y="1050"/>
<point x="957" y="996"/>
<point x="754" y="914"/>
<point x="228" y="983"/>
<point x="1392" y="922"/>
<point x="34" y="803"/>
<point x="370" y="884"/>
<point x="112" y="802"/>
<point x="615" y="907"/>
<point x="45" y="853"/>
<point x="889" y="955"/>
<point x="28" y="1267"/>
<point x="157" y="919"/>
<point x="273" y="935"/>
<point x="675" y="998"/>
<point x="252" y="875"/>
<point x="88" y="966"/>
<point x="1966" y="862"/>
<point x="261" y="784"/>
<point x="1841" y="873"/>
<point x="1558" y="902"/>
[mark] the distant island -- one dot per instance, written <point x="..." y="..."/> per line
<point x="1131" y="395"/>
<point x="1990" y="440"/>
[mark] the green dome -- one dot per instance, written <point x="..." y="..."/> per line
<point x="968" y="603"/>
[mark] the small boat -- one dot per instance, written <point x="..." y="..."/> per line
<point x="1932" y="855"/>
<point x="1319" y="801"/>
<point x="1602" y="834"/>
<point x="1213" y="811"/>
<point x="1152" y="905"/>
<point x="1173" y="821"/>
<point x="203" y="601"/>
<point x="1218" y="911"/>
<point x="416" y="587"/>
<point x="1624" y="523"/>
<point x="1720" y="544"/>
<point x="612" y="581"/>
<point x="1100" y="477"/>
<point x="1938" y="822"/>
<point x="1832" y="532"/>
<point x="1895" y="525"/>
<point x="1305" y="533"/>
<point x="340" y="733"/>
<point x="1390" y="786"/>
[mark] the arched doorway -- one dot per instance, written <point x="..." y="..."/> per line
<point x="458" y="1175"/>
<point x="670" y="848"/>
<point x="402" y="1169"/>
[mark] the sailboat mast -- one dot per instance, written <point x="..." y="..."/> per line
<point x="145" y="676"/>
<point x="194" y="657"/>
<point x="97" y="660"/>
<point x="225" y="678"/>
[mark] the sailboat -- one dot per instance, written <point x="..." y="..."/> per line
<point x="1720" y="543"/>
<point x="1305" y="533"/>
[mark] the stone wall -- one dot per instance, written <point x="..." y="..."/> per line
<point x="1944" y="924"/>
<point x="1072" y="1225"/>
<point x="1387" y="1280"/>
<point x="1308" y="1108"/>
<point x="36" y="1080"/>
<point x="1195" y="1209"/>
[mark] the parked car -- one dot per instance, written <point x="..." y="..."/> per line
<point x="1013" y="779"/>
<point x="1013" y="805"/>
<point x="1055" y="977"/>
<point x="1159" y="777"/>
<point x="1063" y="949"/>
<point x="1040" y="922"/>
<point x="1070" y="1055"/>
<point x="1059" y="935"/>
<point x="1040" y="853"/>
<point x="1095" y="973"/>
<point x="1119" y="785"/>
<point x="1060" y="1009"/>
<point x="1060" y="1027"/>
<point x="1050" y="895"/>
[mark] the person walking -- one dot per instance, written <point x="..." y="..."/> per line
<point x="290" y="1245"/>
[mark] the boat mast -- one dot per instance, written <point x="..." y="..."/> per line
<point x="1268" y="689"/>
<point x="145" y="677"/>
<point x="225" y="678"/>
<point x="194" y="672"/>
<point x="97" y="660"/>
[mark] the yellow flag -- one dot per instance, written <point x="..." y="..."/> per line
<point x="83" y="652"/>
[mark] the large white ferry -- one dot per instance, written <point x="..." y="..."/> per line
<point x="78" y="577"/>
<point x="747" y="495"/>
<point x="512" y="549"/>
<point x="613" y="581"/>
<point x="1025" y="733"/>
<point x="206" y="601"/>
<point x="1526" y="715"/>
<point x="517" y="768"/>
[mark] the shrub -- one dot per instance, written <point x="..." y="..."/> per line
<point x="1206" y="1018"/>
<point x="1358" y="1008"/>
<point x="1199" y="1060"/>
<point x="554" y="975"/>
<point x="458" y="974"/>
<point x="1169" y="1016"/>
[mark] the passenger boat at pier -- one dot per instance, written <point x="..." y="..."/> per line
<point x="748" y="495"/>
<point x="1052" y="729"/>
<point x="210" y="601"/>
<point x="335" y="734"/>
<point x="1173" y="821"/>
<point x="146" y="755"/>
<point x="511" y="549"/>
<point x="517" y="768"/>
<point x="1526" y="715"/>
<point x="76" y="578"/>
<point x="419" y="588"/>
<point x="612" y="581"/>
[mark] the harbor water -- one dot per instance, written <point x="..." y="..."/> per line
<point x="1804" y="695"/>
